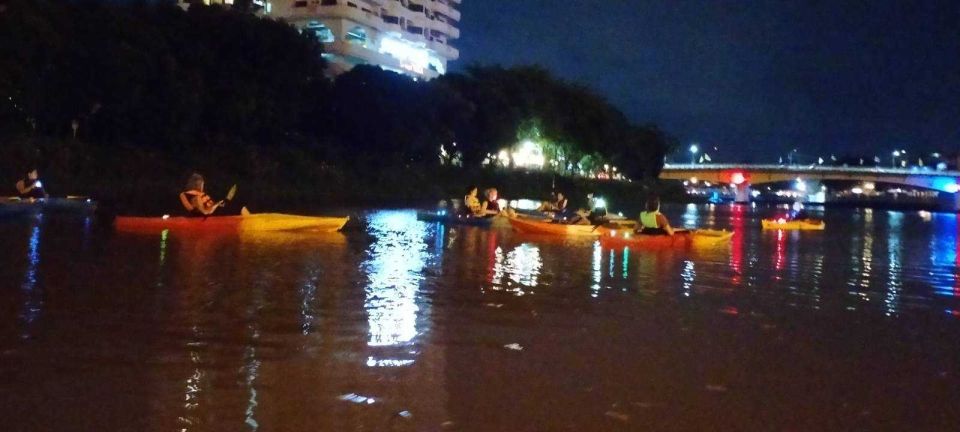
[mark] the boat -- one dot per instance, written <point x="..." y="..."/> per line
<point x="14" y="206"/>
<point x="802" y="224"/>
<point x="261" y="222"/>
<point x="680" y="239"/>
<point x="445" y="217"/>
<point x="545" y="227"/>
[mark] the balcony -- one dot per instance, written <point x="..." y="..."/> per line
<point x="340" y="10"/>
<point x="447" y="29"/>
<point x="446" y="51"/>
<point x="444" y="8"/>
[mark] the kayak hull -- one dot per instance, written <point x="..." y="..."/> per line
<point x="263" y="222"/>
<point x="680" y="240"/>
<point x="541" y="227"/>
<point x="451" y="219"/>
<point x="796" y="225"/>
<point x="16" y="206"/>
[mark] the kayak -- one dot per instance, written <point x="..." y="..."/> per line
<point x="262" y="222"/>
<point x="453" y="219"/>
<point x="14" y="206"/>
<point x="680" y="239"/>
<point x="803" y="225"/>
<point x="533" y="226"/>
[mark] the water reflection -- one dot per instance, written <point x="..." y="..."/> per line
<point x="894" y="247"/>
<point x="517" y="269"/>
<point x="394" y="265"/>
<point x="30" y="288"/>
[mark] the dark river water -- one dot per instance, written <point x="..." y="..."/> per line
<point x="403" y="325"/>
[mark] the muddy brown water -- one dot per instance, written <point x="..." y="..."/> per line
<point x="412" y="326"/>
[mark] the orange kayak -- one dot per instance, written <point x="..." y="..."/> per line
<point x="263" y="222"/>
<point x="533" y="226"/>
<point x="683" y="239"/>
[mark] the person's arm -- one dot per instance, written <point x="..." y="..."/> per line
<point x="664" y="224"/>
<point x="185" y="202"/>
<point x="22" y="188"/>
<point x="205" y="205"/>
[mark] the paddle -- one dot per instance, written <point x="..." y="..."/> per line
<point x="230" y="194"/>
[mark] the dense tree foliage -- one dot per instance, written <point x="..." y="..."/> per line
<point x="149" y="91"/>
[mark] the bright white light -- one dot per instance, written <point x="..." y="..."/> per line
<point x="694" y="148"/>
<point x="600" y="203"/>
<point x="801" y="186"/>
<point x="411" y="57"/>
<point x="738" y="178"/>
<point x="529" y="155"/>
<point x="165" y="217"/>
<point x="694" y="180"/>
<point x="896" y="153"/>
<point x="754" y="193"/>
<point x="869" y="186"/>
<point x="39" y="183"/>
<point x="856" y="191"/>
<point x="952" y="188"/>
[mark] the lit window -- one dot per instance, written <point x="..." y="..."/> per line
<point x="322" y="32"/>
<point x="357" y="35"/>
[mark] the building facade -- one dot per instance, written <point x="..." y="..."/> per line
<point x="412" y="37"/>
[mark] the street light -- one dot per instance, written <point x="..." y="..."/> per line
<point x="893" y="160"/>
<point x="694" y="149"/>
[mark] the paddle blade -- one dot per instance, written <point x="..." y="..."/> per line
<point x="232" y="192"/>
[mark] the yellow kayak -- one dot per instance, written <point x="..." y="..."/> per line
<point x="262" y="222"/>
<point x="803" y="225"/>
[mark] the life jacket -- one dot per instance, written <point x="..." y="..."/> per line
<point x="471" y="205"/>
<point x="186" y="199"/>
<point x="493" y="205"/>
<point x="561" y="204"/>
<point x="649" y="220"/>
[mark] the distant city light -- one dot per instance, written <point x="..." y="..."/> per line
<point x="737" y="178"/>
<point x="529" y="155"/>
<point x="800" y="185"/>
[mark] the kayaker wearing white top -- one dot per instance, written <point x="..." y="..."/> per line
<point x="652" y="222"/>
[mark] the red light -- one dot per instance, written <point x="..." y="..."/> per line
<point x="737" y="178"/>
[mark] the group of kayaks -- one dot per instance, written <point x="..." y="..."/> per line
<point x="615" y="233"/>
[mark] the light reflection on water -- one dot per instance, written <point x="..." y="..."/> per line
<point x="518" y="270"/>
<point x="31" y="290"/>
<point x="394" y="268"/>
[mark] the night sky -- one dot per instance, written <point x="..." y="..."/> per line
<point x="754" y="78"/>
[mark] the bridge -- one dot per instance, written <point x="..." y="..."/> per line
<point x="947" y="183"/>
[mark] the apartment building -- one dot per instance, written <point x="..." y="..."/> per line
<point x="407" y="36"/>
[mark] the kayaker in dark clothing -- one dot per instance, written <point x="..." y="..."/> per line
<point x="195" y="201"/>
<point x="30" y="187"/>
<point x="490" y="206"/>
<point x="652" y="222"/>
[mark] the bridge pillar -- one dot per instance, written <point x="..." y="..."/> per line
<point x="949" y="201"/>
<point x="743" y="194"/>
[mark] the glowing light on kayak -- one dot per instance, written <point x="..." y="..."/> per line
<point x="165" y="217"/>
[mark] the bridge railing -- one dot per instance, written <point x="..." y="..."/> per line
<point x="812" y="169"/>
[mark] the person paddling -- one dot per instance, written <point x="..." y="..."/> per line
<point x="195" y="201"/>
<point x="30" y="187"/>
<point x="652" y="222"/>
